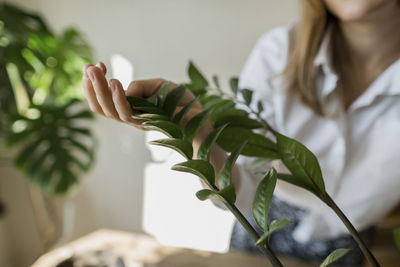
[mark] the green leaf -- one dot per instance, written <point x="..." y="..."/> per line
<point x="182" y="113"/>
<point x="301" y="162"/>
<point x="151" y="116"/>
<point x="216" y="81"/>
<point x="84" y="114"/>
<point x="396" y="235"/>
<point x="54" y="154"/>
<point x="168" y="128"/>
<point x="247" y="96"/>
<point x="194" y="125"/>
<point x="275" y="225"/>
<point x="201" y="168"/>
<point x="80" y="130"/>
<point x="225" y="173"/>
<point x="173" y="98"/>
<point x="262" y="199"/>
<point x="195" y="90"/>
<point x="181" y="146"/>
<point x="139" y="103"/>
<point x="205" y="194"/>
<point x="228" y="194"/>
<point x="15" y="138"/>
<point x="197" y="79"/>
<point x="221" y="105"/>
<point x="162" y="94"/>
<point x="257" y="145"/>
<point x="230" y="112"/>
<point x="25" y="154"/>
<point x="154" y="99"/>
<point x="205" y="147"/>
<point x="334" y="256"/>
<point x="221" y="108"/>
<point x="234" y="83"/>
<point x="209" y="100"/>
<point x="260" y="106"/>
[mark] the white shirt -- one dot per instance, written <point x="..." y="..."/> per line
<point x="358" y="149"/>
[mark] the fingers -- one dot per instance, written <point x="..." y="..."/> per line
<point x="89" y="92"/>
<point x="145" y="88"/>
<point x="121" y="105"/>
<point x="102" y="67"/>
<point x="102" y="91"/>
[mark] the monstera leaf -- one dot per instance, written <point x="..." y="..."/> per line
<point x="53" y="149"/>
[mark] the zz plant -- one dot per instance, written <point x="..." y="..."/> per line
<point x="234" y="132"/>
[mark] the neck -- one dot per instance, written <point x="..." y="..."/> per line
<point x="373" y="41"/>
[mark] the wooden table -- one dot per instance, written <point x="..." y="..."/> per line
<point x="138" y="250"/>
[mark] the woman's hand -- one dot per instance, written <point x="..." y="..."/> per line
<point x="109" y="99"/>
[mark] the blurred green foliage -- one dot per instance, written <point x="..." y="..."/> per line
<point x="40" y="92"/>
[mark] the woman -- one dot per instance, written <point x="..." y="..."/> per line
<point x="332" y="82"/>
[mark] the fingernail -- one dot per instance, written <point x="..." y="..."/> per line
<point x="92" y="76"/>
<point x="98" y="64"/>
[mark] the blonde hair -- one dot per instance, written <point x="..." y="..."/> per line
<point x="306" y="40"/>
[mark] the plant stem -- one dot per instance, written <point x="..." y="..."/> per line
<point x="253" y="234"/>
<point x="367" y="253"/>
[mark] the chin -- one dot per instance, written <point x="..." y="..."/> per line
<point x="355" y="10"/>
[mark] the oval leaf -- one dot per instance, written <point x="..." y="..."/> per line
<point x="228" y="194"/>
<point x="197" y="79"/>
<point x="205" y="147"/>
<point x="247" y="96"/>
<point x="181" y="146"/>
<point x="181" y="114"/>
<point x="216" y="81"/>
<point x="257" y="145"/>
<point x="234" y="83"/>
<point x="262" y="199"/>
<point x="168" y="128"/>
<point x="209" y="100"/>
<point x="301" y="162"/>
<point x="260" y="106"/>
<point x="139" y="103"/>
<point x="238" y="121"/>
<point x="334" y="256"/>
<point x="173" y="98"/>
<point x="225" y="173"/>
<point x="194" y="125"/>
<point x="162" y="94"/>
<point x="150" y="116"/>
<point x="276" y="225"/>
<point x="201" y="168"/>
<point x="205" y="194"/>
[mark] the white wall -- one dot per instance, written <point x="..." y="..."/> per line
<point x="158" y="37"/>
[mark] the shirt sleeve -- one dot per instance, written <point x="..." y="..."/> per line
<point x="266" y="61"/>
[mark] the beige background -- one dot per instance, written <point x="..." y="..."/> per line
<point x="158" y="37"/>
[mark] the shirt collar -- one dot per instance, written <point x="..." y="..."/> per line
<point x="323" y="63"/>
